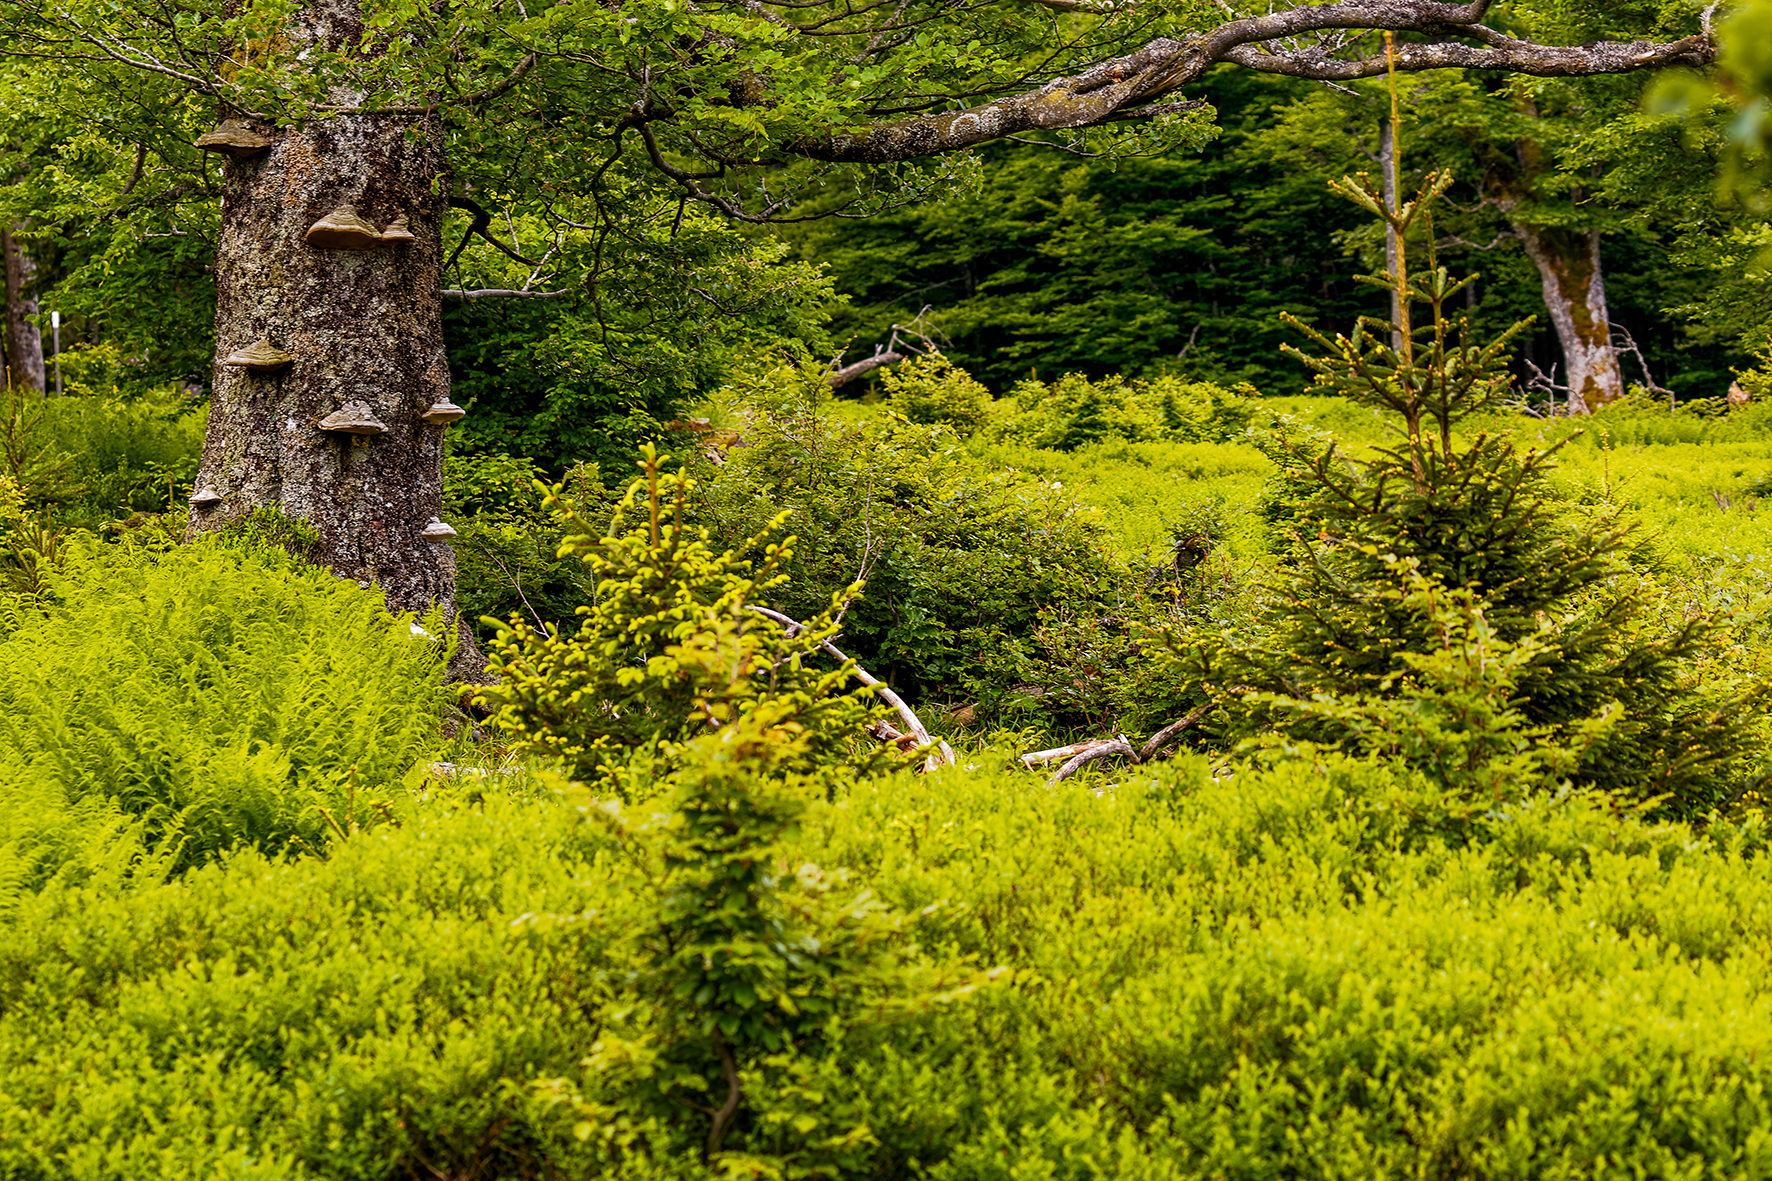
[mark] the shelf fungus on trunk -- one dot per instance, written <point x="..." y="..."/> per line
<point x="398" y="231"/>
<point x="436" y="530"/>
<point x="205" y="496"/>
<point x="443" y="411"/>
<point x="343" y="229"/>
<point x="261" y="356"/>
<point x="354" y="418"/>
<point x="234" y="138"/>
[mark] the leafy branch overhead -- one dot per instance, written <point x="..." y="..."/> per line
<point x="709" y="98"/>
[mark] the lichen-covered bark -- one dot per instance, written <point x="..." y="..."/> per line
<point x="1568" y="263"/>
<point x="1140" y="84"/>
<point x="24" y="343"/>
<point x="361" y="325"/>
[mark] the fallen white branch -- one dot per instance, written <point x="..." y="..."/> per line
<point x="1040" y="758"/>
<point x="1117" y="745"/>
<point x="1080" y="754"/>
<point x="941" y="755"/>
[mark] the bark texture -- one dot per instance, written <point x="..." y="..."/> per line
<point x="362" y="326"/>
<point x="24" y="343"/>
<point x="1568" y="264"/>
<point x="1140" y="84"/>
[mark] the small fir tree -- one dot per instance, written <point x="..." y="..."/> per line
<point x="1438" y="588"/>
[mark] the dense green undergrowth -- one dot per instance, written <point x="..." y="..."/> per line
<point x="1320" y="969"/>
<point x="160" y="708"/>
<point x="678" y="914"/>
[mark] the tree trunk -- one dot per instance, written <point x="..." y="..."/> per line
<point x="24" y="343"/>
<point x="1387" y="164"/>
<point x="1568" y="262"/>
<point x="361" y="326"/>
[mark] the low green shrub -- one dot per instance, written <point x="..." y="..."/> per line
<point x="929" y="389"/>
<point x="180" y="704"/>
<point x="672" y="645"/>
<point x="1439" y="603"/>
<point x="1074" y="411"/>
<point x="1313" y="966"/>
<point x="959" y="558"/>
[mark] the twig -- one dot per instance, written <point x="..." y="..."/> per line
<point x="723" y="1117"/>
<point x="942" y="756"/>
<point x="516" y="584"/>
<point x="1164" y="738"/>
<point x="1629" y="345"/>
<point x="1101" y="750"/>
<point x="500" y="293"/>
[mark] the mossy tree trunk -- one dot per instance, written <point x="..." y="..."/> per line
<point x="361" y="326"/>
<point x="1568" y="264"/>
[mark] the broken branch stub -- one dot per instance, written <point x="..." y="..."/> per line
<point x="941" y="755"/>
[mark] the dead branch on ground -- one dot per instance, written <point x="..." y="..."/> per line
<point x="1078" y="755"/>
<point x="940" y="754"/>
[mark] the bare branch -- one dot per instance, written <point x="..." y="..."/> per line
<point x="940" y="756"/>
<point x="482" y="222"/>
<point x="1164" y="738"/>
<point x="1119" y="89"/>
<point x="1041" y="757"/>
<point x="1080" y="754"/>
<point x="500" y="293"/>
<point x="850" y="372"/>
<point x="1117" y="745"/>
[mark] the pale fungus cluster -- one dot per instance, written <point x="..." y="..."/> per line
<point x="354" y="418"/>
<point x="345" y="229"/>
<point x="233" y="138"/>
<point x="261" y="356"/>
<point x="443" y="412"/>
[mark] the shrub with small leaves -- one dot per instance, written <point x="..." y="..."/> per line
<point x="930" y="389"/>
<point x="670" y="647"/>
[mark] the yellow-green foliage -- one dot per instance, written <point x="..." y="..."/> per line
<point x="1139" y="488"/>
<point x="929" y="389"/>
<point x="1315" y="968"/>
<point x="1074" y="411"/>
<point x="671" y="645"/>
<point x="186" y="703"/>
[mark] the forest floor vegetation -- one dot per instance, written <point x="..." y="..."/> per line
<point x="1486" y="901"/>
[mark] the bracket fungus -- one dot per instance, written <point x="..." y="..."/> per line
<point x="261" y="356"/>
<point x="436" y="530"/>
<point x="233" y="138"/>
<point x="443" y="411"/>
<point x="205" y="496"/>
<point x="354" y="418"/>
<point x="343" y="229"/>
<point x="398" y="231"/>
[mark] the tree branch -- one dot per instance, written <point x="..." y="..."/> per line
<point x="849" y="373"/>
<point x="1115" y="90"/>
<point x="482" y="222"/>
<point x="943" y="755"/>
<point x="501" y="293"/>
